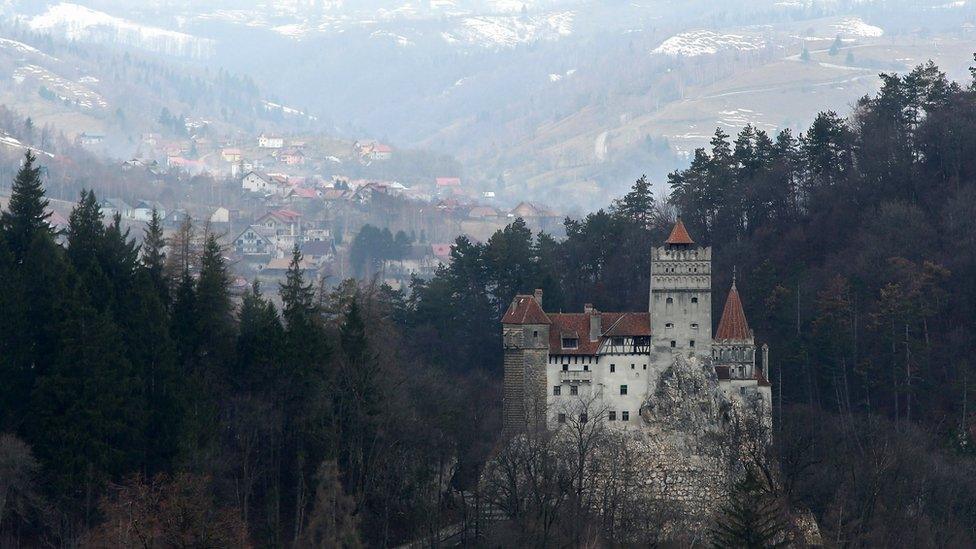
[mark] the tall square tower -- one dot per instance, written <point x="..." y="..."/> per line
<point x="681" y="295"/>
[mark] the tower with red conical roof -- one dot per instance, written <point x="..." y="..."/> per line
<point x="681" y="295"/>
<point x="734" y="352"/>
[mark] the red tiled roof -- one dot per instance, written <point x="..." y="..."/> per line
<point x="577" y="325"/>
<point x="448" y="181"/>
<point x="525" y="310"/>
<point x="290" y="215"/>
<point x="733" y="324"/>
<point x="679" y="235"/>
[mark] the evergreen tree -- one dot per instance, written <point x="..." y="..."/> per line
<point x="638" y="204"/>
<point x="87" y="419"/>
<point x="751" y="518"/>
<point x="32" y="274"/>
<point x="26" y="215"/>
<point x="260" y="343"/>
<point x="153" y="256"/>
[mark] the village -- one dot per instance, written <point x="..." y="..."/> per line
<point x="271" y="193"/>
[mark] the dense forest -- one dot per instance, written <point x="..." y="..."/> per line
<point x="144" y="404"/>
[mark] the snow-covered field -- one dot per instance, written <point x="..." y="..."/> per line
<point x="76" y="22"/>
<point x="510" y="31"/>
<point x="705" y="42"/>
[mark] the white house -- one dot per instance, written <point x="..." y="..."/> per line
<point x="270" y="141"/>
<point x="111" y="206"/>
<point x="255" y="240"/>
<point x="257" y="183"/>
<point x="144" y="208"/>
<point x="220" y="215"/>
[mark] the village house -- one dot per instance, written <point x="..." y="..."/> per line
<point x="382" y="152"/>
<point x="257" y="182"/>
<point x="256" y="240"/>
<point x="292" y="157"/>
<point x="220" y="215"/>
<point x="144" y="208"/>
<point x="270" y="141"/>
<point x="111" y="206"/>
<point x="230" y="155"/>
<point x="88" y="139"/>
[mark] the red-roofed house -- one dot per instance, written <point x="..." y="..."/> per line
<point x="555" y="360"/>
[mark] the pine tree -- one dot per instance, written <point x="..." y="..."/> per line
<point x="153" y="256"/>
<point x="751" y="518"/>
<point x="32" y="274"/>
<point x="26" y="216"/>
<point x="87" y="421"/>
<point x="260" y="342"/>
<point x="638" y="204"/>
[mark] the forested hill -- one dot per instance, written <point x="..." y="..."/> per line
<point x="855" y="246"/>
<point x="140" y="401"/>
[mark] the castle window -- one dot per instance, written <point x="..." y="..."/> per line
<point x="624" y="416"/>
<point x="613" y="368"/>
<point x="669" y="326"/>
<point x="574" y="390"/>
<point x="535" y="334"/>
<point x="632" y="366"/>
<point x="645" y="366"/>
<point x="674" y="344"/>
<point x="612" y="415"/>
<point x="570" y="343"/>
<point x="562" y="418"/>
<point x="691" y="343"/>
<point x="557" y="390"/>
<point x="694" y="326"/>
<point x="565" y="367"/>
<point x="670" y="301"/>
<point x="586" y="367"/>
<point x="694" y="300"/>
<point x="623" y="389"/>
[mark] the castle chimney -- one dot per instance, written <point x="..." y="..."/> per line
<point x="538" y="296"/>
<point x="596" y="321"/>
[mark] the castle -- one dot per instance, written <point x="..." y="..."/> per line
<point x="616" y="359"/>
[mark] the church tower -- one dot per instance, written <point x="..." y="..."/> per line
<point x="681" y="295"/>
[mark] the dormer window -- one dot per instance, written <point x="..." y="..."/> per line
<point x="570" y="343"/>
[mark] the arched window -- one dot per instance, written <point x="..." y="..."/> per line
<point x="669" y="301"/>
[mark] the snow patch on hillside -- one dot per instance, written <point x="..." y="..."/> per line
<point x="510" y="31"/>
<point x="20" y="47"/>
<point x="76" y="22"/>
<point x="290" y="111"/>
<point x="856" y="27"/>
<point x="62" y="88"/>
<point x="705" y="42"/>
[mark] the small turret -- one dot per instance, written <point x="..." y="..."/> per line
<point x="734" y="346"/>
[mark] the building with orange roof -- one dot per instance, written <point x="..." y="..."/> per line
<point x="553" y="360"/>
